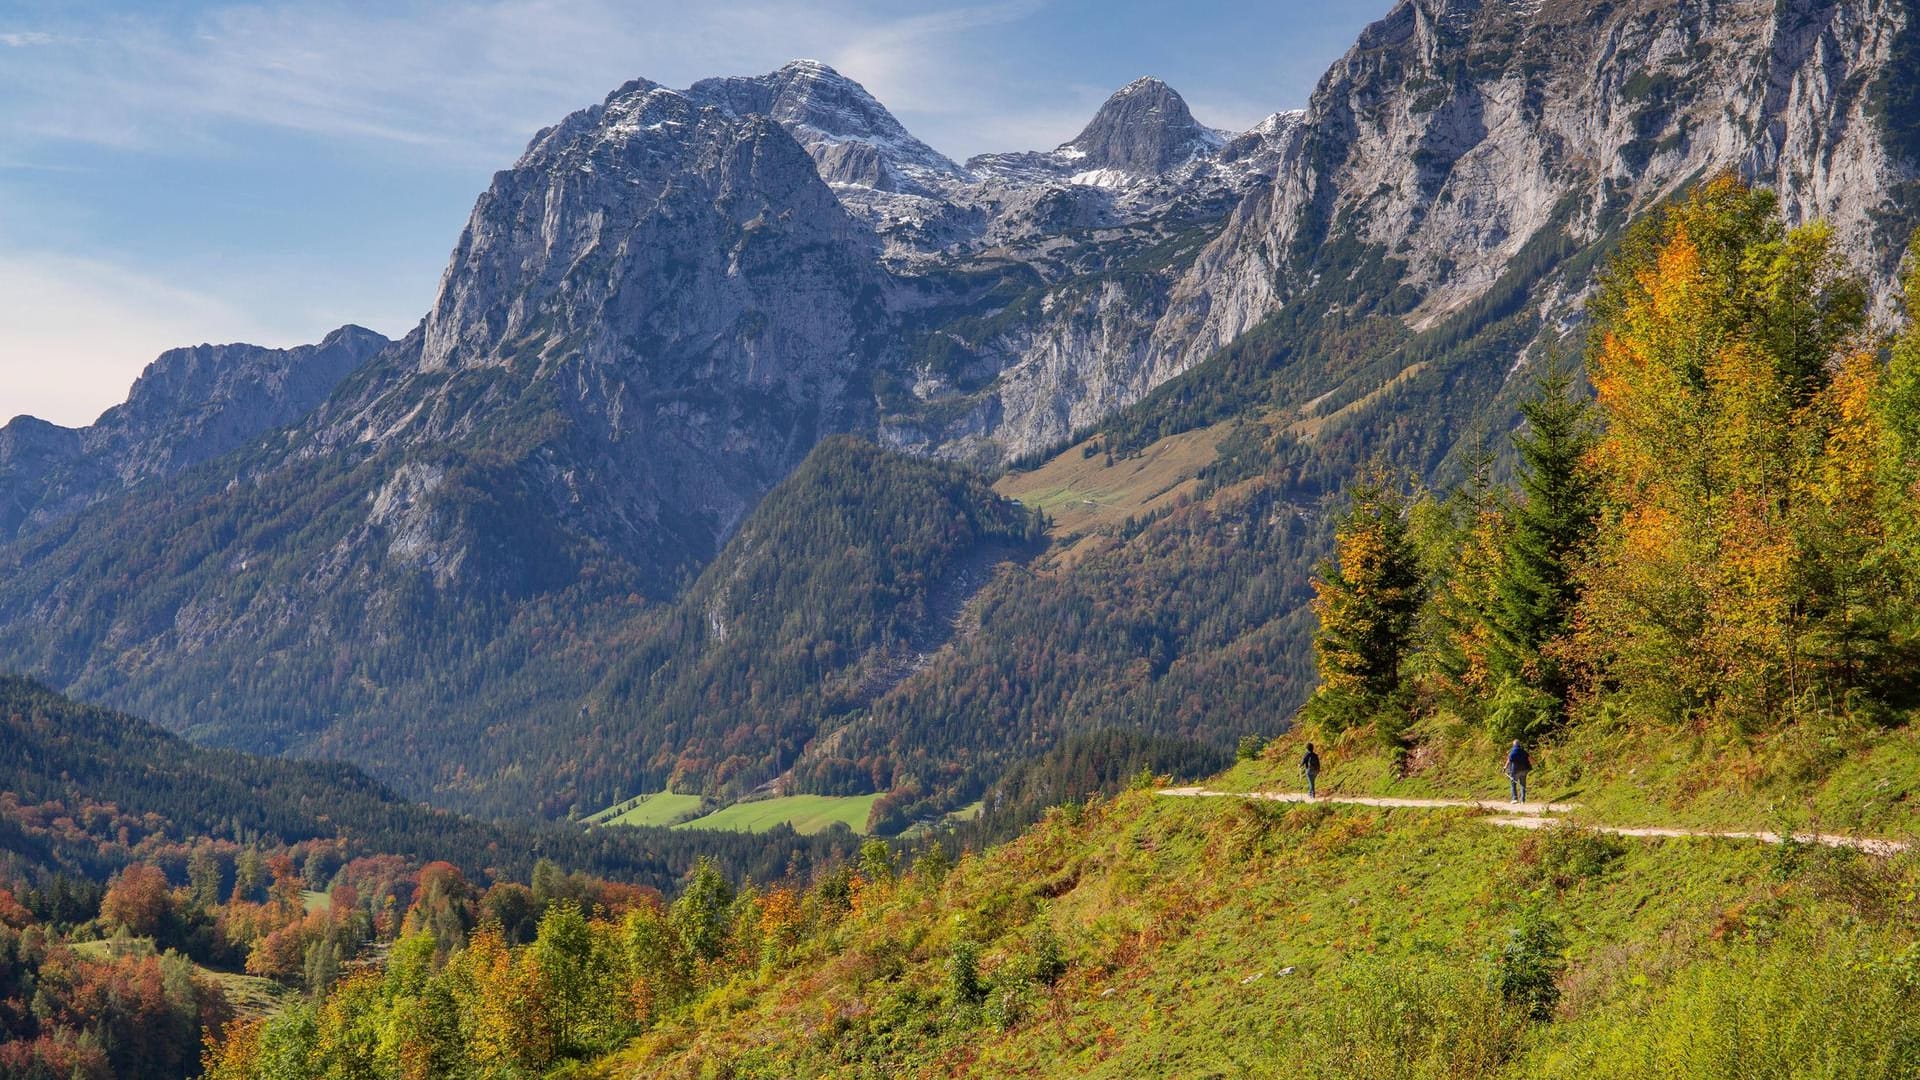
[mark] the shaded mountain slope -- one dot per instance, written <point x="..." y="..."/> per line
<point x="89" y="790"/>
<point x="189" y="406"/>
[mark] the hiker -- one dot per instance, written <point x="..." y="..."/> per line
<point x="1518" y="766"/>
<point x="1311" y="766"/>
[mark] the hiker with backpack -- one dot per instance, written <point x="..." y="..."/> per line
<point x="1518" y="766"/>
<point x="1310" y="765"/>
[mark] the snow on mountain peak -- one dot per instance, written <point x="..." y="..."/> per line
<point x="852" y="137"/>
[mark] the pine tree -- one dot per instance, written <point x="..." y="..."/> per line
<point x="699" y="917"/>
<point x="1547" y="532"/>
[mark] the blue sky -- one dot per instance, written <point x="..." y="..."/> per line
<point x="174" y="172"/>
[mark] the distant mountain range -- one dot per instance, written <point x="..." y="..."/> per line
<point x="401" y="553"/>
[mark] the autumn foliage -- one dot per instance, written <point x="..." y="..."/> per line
<point x="1728" y="540"/>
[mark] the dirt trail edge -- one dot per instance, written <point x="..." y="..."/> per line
<point x="1535" y="815"/>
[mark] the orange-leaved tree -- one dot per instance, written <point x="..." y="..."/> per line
<point x="1717" y="336"/>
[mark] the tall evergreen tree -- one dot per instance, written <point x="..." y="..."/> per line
<point x="1460" y="540"/>
<point x="1367" y="597"/>
<point x="1548" y="529"/>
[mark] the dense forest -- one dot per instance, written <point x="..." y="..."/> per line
<point x="838" y="583"/>
<point x="1184" y="626"/>
<point x="90" y="791"/>
<point x="140" y="875"/>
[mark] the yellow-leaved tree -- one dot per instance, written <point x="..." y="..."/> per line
<point x="1718" y="361"/>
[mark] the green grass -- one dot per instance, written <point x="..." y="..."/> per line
<point x="806" y="813"/>
<point x="1081" y="491"/>
<point x="1225" y="938"/>
<point x="953" y="817"/>
<point x="313" y="900"/>
<point x="1836" y="776"/>
<point x="658" y="808"/>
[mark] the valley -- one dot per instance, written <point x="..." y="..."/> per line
<point x="798" y="604"/>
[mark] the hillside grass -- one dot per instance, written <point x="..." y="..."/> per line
<point x="806" y="813"/>
<point x="1080" y="491"/>
<point x="1212" y="938"/>
<point x="657" y="808"/>
<point x="1835" y="776"/>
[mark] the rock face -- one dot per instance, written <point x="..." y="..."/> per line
<point x="1144" y="129"/>
<point x="674" y="301"/>
<point x="190" y="405"/>
<point x="1457" y="133"/>
<point x="851" y="137"/>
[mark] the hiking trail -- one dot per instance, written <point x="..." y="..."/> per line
<point x="1536" y="815"/>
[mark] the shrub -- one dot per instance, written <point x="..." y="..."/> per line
<point x="1819" y="1006"/>
<point x="1249" y="748"/>
<point x="1568" y="854"/>
<point x="1395" y="1021"/>
<point x="1527" y="967"/>
<point x="1045" y="960"/>
<point x="1519" y="711"/>
<point x="964" y="985"/>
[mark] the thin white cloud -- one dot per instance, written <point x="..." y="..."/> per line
<point x="75" y="333"/>
<point x="470" y="81"/>
<point x="24" y="39"/>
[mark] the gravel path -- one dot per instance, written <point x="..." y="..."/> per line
<point x="1535" y="815"/>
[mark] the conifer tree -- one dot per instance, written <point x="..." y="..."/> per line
<point x="1367" y="598"/>
<point x="1547" y="531"/>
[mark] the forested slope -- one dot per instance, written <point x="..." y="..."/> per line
<point x="89" y="790"/>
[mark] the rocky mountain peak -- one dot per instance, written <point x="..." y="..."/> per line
<point x="852" y="138"/>
<point x="1145" y="128"/>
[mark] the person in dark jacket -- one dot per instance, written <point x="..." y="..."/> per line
<point x="1518" y="766"/>
<point x="1310" y="765"/>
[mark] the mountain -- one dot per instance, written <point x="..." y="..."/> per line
<point x="1690" y="612"/>
<point x="189" y="406"/>
<point x="851" y="137"/>
<point x="1466" y="165"/>
<point x="1142" y="132"/>
<point x="674" y="296"/>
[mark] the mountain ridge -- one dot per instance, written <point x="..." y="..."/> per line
<point x="663" y="307"/>
<point x="189" y="405"/>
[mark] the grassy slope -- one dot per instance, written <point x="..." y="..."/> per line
<point x="806" y="813"/>
<point x="1181" y="919"/>
<point x="1080" y="491"/>
<point x="659" y="808"/>
<point x="1847" y="778"/>
<point x="249" y="995"/>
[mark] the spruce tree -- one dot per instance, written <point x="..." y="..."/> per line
<point x="1367" y="597"/>
<point x="1548" y="529"/>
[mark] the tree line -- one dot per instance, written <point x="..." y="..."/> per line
<point x="1724" y="535"/>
